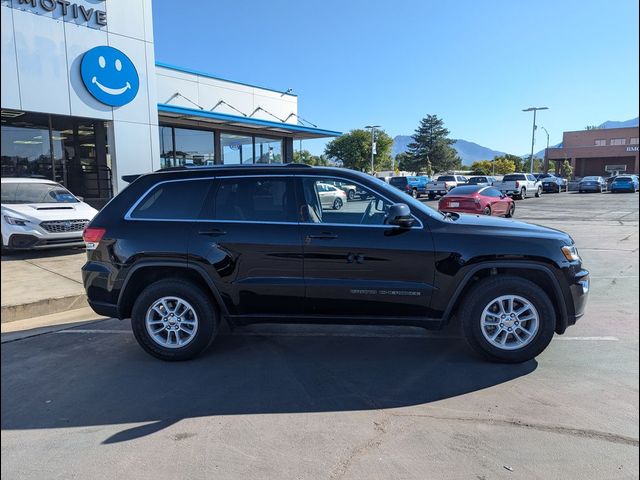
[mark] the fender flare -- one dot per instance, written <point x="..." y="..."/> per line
<point x="174" y="263"/>
<point x="562" y="320"/>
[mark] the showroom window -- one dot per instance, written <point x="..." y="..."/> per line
<point x="236" y="149"/>
<point x="268" y="150"/>
<point x="184" y="146"/>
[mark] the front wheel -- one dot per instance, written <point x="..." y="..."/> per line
<point x="174" y="319"/>
<point x="511" y="211"/>
<point x="508" y="319"/>
<point x="414" y="193"/>
<point x="538" y="192"/>
<point x="487" y="210"/>
<point x="337" y="204"/>
<point x="351" y="195"/>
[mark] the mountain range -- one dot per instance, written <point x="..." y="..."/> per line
<point x="470" y="152"/>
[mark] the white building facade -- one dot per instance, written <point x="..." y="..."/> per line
<point x="85" y="103"/>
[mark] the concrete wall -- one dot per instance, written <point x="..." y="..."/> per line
<point x="41" y="55"/>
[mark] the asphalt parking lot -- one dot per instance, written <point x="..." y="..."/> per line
<point x="318" y="402"/>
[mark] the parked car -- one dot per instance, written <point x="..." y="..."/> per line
<point x="542" y="176"/>
<point x="39" y="213"/>
<point x="481" y="180"/>
<point x="477" y="199"/>
<point x="414" y="186"/>
<point x="350" y="190"/>
<point x="331" y="196"/>
<point x="519" y="185"/>
<point x="625" y="183"/>
<point x="443" y="184"/>
<point x="592" y="184"/>
<point x="610" y="180"/>
<point x="555" y="184"/>
<point x="180" y="251"/>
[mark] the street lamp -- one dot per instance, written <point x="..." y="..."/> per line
<point x="533" y="133"/>
<point x="373" y="129"/>
<point x="546" y="151"/>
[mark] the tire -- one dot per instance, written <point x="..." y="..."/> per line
<point x="487" y="211"/>
<point x="431" y="196"/>
<point x="414" y="193"/>
<point x="488" y="291"/>
<point x="523" y="193"/>
<point x="538" y="192"/>
<point x="337" y="204"/>
<point x="511" y="211"/>
<point x="206" y="318"/>
<point x="351" y="195"/>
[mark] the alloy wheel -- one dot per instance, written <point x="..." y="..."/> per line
<point x="509" y="322"/>
<point x="171" y="322"/>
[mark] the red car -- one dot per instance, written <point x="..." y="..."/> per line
<point x="477" y="199"/>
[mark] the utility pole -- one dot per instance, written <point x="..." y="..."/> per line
<point x="546" y="151"/>
<point x="533" y="132"/>
<point x="373" y="143"/>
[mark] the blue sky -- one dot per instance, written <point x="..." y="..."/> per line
<point x="476" y="64"/>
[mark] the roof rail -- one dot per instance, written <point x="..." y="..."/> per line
<point x="251" y="165"/>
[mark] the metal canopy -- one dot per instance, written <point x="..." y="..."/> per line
<point x="203" y="118"/>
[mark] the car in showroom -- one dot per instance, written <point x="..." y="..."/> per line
<point x="477" y="199"/>
<point x="39" y="213"/>
<point x="592" y="184"/>
<point x="182" y="250"/>
<point x="553" y="184"/>
<point x="625" y="183"/>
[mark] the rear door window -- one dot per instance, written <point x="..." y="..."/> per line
<point x="173" y="200"/>
<point x="254" y="199"/>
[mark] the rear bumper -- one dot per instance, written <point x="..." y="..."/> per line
<point x="623" y="188"/>
<point x="590" y="188"/>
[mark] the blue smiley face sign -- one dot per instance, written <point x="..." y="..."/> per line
<point x="109" y="75"/>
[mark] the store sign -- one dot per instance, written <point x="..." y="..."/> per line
<point x="66" y="9"/>
<point x="632" y="149"/>
<point x="109" y="76"/>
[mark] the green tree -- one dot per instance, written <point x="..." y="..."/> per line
<point x="566" y="169"/>
<point x="353" y="149"/>
<point x="431" y="148"/>
<point x="538" y="165"/>
<point x="504" y="164"/>
<point x="517" y="162"/>
<point x="482" y="167"/>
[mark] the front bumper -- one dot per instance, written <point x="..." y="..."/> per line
<point x="579" y="286"/>
<point x="22" y="241"/>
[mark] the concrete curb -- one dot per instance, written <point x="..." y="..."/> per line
<point x="12" y="313"/>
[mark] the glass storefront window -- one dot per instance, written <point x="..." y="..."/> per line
<point x="26" y="150"/>
<point x="166" y="147"/>
<point x="236" y="149"/>
<point x="194" y="147"/>
<point x="268" y="150"/>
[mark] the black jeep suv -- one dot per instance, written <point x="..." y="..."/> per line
<point x="180" y="250"/>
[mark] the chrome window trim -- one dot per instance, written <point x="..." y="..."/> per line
<point x="128" y="217"/>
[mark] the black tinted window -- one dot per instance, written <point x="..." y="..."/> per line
<point x="446" y="178"/>
<point x="492" y="192"/>
<point x="255" y="200"/>
<point x="180" y="200"/>
<point x="476" y="180"/>
<point x="511" y="178"/>
<point x="398" y="181"/>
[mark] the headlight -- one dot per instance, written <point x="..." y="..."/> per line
<point x="15" y="221"/>
<point x="571" y="253"/>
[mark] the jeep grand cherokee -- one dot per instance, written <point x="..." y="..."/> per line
<point x="181" y="250"/>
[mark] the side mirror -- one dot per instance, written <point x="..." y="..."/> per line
<point x="399" y="214"/>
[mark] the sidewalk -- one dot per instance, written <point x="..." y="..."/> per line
<point x="41" y="283"/>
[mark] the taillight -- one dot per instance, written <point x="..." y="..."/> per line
<point x="92" y="237"/>
<point x="407" y="187"/>
<point x="517" y="184"/>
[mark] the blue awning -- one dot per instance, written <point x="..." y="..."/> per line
<point x="231" y="122"/>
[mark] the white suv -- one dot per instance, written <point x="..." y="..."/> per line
<point x="39" y="213"/>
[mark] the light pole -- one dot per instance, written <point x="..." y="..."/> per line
<point x="546" y="151"/>
<point x="533" y="132"/>
<point x="373" y="129"/>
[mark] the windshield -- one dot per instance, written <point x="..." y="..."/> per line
<point x="16" y="193"/>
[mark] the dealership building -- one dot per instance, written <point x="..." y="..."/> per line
<point x="601" y="152"/>
<point x="84" y="101"/>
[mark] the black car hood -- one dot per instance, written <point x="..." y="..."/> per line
<point x="481" y="224"/>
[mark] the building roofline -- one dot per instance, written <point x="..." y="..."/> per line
<point x="597" y="129"/>
<point x="208" y="75"/>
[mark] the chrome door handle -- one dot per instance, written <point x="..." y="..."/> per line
<point x="214" y="232"/>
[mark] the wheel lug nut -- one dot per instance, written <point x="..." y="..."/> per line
<point x="509" y="329"/>
<point x="502" y="324"/>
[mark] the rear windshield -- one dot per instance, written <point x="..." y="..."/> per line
<point x="465" y="190"/>
<point x="590" y="179"/>
<point x="398" y="181"/>
<point x="16" y="193"/>
<point x="446" y="178"/>
<point x="475" y="180"/>
<point x="511" y="178"/>
<point x="626" y="179"/>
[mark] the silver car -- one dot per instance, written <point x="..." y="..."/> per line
<point x="331" y="196"/>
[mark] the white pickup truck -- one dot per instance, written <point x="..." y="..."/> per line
<point x="519" y="185"/>
<point x="443" y="184"/>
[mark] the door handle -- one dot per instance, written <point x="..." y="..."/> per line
<point x="214" y="232"/>
<point x="324" y="236"/>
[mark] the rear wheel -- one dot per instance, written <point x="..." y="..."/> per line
<point x="508" y="319"/>
<point x="337" y="204"/>
<point x="414" y="193"/>
<point x="351" y="195"/>
<point x="174" y="320"/>
<point x="523" y="193"/>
